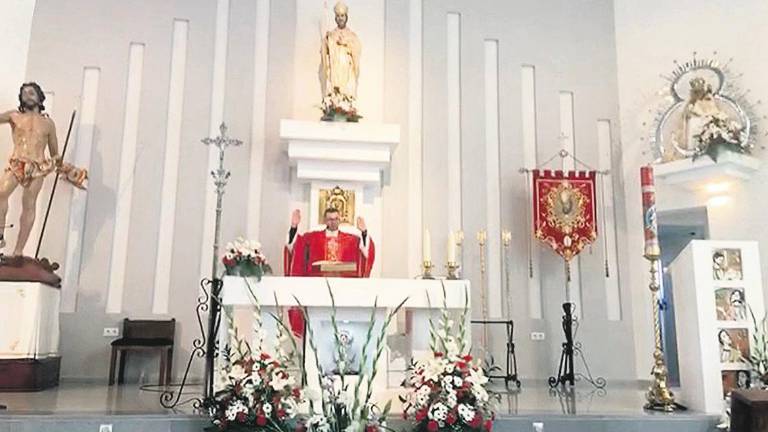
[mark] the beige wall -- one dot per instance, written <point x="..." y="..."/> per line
<point x="649" y="36"/>
<point x="571" y="46"/>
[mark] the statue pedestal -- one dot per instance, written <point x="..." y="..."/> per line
<point x="697" y="174"/>
<point x="353" y="156"/>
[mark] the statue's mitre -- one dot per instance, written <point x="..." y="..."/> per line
<point x="340" y="8"/>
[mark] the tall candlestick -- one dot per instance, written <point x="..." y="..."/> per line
<point x="451" y="248"/>
<point x="652" y="250"/>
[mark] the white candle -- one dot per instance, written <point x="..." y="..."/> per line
<point x="426" y="248"/>
<point x="451" y="247"/>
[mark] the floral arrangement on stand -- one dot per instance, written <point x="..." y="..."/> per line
<point x="256" y="391"/>
<point x="719" y="133"/>
<point x="341" y="405"/>
<point x="244" y="258"/>
<point x="339" y="107"/>
<point x="448" y="390"/>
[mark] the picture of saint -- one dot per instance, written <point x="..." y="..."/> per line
<point x="726" y="265"/>
<point x="734" y="345"/>
<point x="735" y="379"/>
<point x="730" y="304"/>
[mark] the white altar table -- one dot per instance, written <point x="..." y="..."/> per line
<point x="354" y="299"/>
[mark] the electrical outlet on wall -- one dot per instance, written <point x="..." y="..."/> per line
<point x="537" y="336"/>
<point x="105" y="428"/>
<point x="111" y="332"/>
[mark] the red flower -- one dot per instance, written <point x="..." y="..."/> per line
<point x="475" y="423"/>
<point x="371" y="428"/>
<point x="261" y="420"/>
<point x="296" y="392"/>
<point x="451" y="418"/>
<point x="488" y="425"/>
<point x="421" y="414"/>
<point x="432" y="426"/>
<point x="438" y="354"/>
<point x="241" y="417"/>
<point x="301" y="427"/>
<point x="467" y="358"/>
<point x="264" y="356"/>
<point x="281" y="413"/>
<point x="461" y="365"/>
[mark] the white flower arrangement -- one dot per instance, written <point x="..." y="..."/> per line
<point x="244" y="258"/>
<point x="447" y="390"/>
<point x="337" y="105"/>
<point x="720" y="132"/>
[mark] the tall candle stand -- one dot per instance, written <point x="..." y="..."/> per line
<point x="658" y="397"/>
<point x="506" y="241"/>
<point x="482" y="238"/>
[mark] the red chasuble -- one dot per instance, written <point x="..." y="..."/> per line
<point x="315" y="254"/>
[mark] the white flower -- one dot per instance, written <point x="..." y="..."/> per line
<point x="237" y="372"/>
<point x="267" y="407"/>
<point x="451" y="399"/>
<point x="466" y="412"/>
<point x="438" y="412"/>
<point x="236" y="408"/>
<point x="457" y="381"/>
<point x="480" y="393"/>
<point x="434" y="369"/>
<point x="318" y="423"/>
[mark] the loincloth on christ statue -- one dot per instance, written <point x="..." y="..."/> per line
<point x="323" y="253"/>
<point x="26" y="170"/>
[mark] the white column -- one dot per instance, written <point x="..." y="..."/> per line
<point x="568" y="143"/>
<point x="415" y="117"/>
<point x="612" y="294"/>
<point x="530" y="157"/>
<point x="492" y="178"/>
<point x="167" y="221"/>
<point x="218" y="86"/>
<point x="77" y="206"/>
<point x="124" y="188"/>
<point x="453" y="79"/>
<point x="260" y="62"/>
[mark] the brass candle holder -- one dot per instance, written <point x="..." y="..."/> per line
<point x="426" y="270"/>
<point x="453" y="270"/>
<point x="482" y="237"/>
<point x="659" y="397"/>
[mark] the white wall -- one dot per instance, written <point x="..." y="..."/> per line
<point x="649" y="36"/>
<point x="571" y="46"/>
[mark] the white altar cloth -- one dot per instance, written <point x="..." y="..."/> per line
<point x="354" y="300"/>
<point x="29" y="320"/>
<point x="348" y="292"/>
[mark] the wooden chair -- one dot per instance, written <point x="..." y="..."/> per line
<point x="144" y="335"/>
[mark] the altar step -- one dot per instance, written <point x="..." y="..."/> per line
<point x="506" y="423"/>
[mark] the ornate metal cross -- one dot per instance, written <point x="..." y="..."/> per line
<point x="220" y="179"/>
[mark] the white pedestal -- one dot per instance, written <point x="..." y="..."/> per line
<point x="353" y="156"/>
<point x="29" y="320"/>
<point x="354" y="300"/>
<point x="699" y="317"/>
<point x="697" y="175"/>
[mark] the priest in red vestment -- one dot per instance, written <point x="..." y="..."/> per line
<point x="329" y="251"/>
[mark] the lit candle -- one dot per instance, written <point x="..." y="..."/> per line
<point x="651" y="229"/>
<point x="426" y="248"/>
<point x="451" y="247"/>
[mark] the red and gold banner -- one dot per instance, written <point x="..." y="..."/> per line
<point x="565" y="214"/>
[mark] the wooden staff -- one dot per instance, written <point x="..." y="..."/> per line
<point x="55" y="182"/>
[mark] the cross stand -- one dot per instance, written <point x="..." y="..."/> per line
<point x="511" y="362"/>
<point x="209" y="300"/>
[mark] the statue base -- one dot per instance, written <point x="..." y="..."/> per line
<point x="27" y="269"/>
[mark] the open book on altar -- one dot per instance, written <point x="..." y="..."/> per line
<point x="334" y="266"/>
